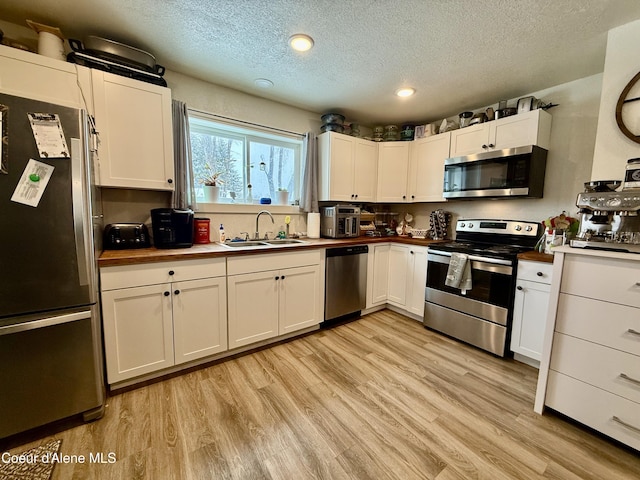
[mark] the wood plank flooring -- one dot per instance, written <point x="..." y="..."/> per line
<point x="377" y="398"/>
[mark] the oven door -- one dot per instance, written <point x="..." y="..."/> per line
<point x="491" y="295"/>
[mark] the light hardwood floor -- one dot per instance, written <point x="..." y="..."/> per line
<point x="377" y="398"/>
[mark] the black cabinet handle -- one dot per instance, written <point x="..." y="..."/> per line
<point x="171" y="272"/>
<point x="352" y="195"/>
<point x="413" y="196"/>
<point x="484" y="146"/>
<point x="166" y="294"/>
<point x="411" y="252"/>
<point x="170" y="180"/>
<point x="356" y="195"/>
<point x="491" y="145"/>
<point x="277" y="278"/>
<point x="177" y="292"/>
<point x="519" y="287"/>
<point x="404" y="197"/>
<point x="282" y="277"/>
<point x="540" y="274"/>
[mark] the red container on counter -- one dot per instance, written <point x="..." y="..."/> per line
<point x="201" y="230"/>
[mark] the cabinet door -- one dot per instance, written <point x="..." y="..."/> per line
<point x="253" y="307"/>
<point x="199" y="318"/>
<point x="38" y="77"/>
<point x="417" y="280"/>
<point x="470" y="140"/>
<point x="133" y="120"/>
<point x="393" y="171"/>
<point x="138" y="332"/>
<point x="336" y="153"/>
<point x="398" y="270"/>
<point x="515" y="131"/>
<point x="529" y="318"/>
<point x="365" y="169"/>
<point x="379" y="272"/>
<point x="301" y="296"/>
<point x="426" y="176"/>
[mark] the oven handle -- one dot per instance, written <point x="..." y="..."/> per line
<point x="475" y="258"/>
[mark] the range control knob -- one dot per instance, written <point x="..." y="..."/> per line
<point x="518" y="228"/>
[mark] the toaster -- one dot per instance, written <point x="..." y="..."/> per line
<point x="118" y="236"/>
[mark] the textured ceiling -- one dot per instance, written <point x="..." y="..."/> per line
<point x="458" y="54"/>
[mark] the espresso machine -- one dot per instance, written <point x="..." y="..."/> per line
<point x="609" y="219"/>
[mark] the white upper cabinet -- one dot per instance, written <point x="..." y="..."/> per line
<point x="135" y="138"/>
<point x="531" y="128"/>
<point x="347" y="168"/>
<point x="393" y="171"/>
<point x="426" y="168"/>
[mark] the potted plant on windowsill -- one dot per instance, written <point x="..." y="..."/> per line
<point x="211" y="185"/>
<point x="282" y="195"/>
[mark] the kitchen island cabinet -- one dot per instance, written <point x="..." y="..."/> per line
<point x="348" y="167"/>
<point x="274" y="294"/>
<point x="590" y="366"/>
<point x="133" y="120"/>
<point x="159" y="315"/>
<point x="531" y="301"/>
<point x="530" y="128"/>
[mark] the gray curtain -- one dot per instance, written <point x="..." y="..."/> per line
<point x="309" y="194"/>
<point x="184" y="194"/>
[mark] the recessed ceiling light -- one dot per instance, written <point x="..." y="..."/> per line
<point x="263" y="83"/>
<point x="405" y="92"/>
<point x="301" y="42"/>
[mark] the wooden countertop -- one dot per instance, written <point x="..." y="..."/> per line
<point x="110" y="258"/>
<point x="536" y="257"/>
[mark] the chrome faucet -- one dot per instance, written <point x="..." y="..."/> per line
<point x="256" y="235"/>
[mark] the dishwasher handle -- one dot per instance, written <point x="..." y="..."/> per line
<point x="344" y="251"/>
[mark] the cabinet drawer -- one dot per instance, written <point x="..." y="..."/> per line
<point x="612" y="280"/>
<point x="272" y="261"/>
<point x="153" y="273"/>
<point x="599" y="322"/>
<point x="594" y="407"/>
<point x="535" y="271"/>
<point x="596" y="365"/>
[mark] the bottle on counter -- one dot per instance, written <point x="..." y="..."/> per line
<point x="223" y="236"/>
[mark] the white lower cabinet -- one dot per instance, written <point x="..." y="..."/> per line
<point x="399" y="276"/>
<point x="377" y="275"/>
<point x="533" y="284"/>
<point x="265" y="302"/>
<point x="590" y="365"/>
<point x="162" y="314"/>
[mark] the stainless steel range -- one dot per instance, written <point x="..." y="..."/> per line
<point x="476" y="305"/>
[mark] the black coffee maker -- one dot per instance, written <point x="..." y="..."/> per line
<point x="172" y="227"/>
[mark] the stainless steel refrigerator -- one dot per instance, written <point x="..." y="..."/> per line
<point x="50" y="337"/>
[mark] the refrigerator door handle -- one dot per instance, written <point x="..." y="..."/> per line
<point x="44" y="322"/>
<point x="78" y="195"/>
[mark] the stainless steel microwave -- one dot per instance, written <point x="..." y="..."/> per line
<point x="512" y="172"/>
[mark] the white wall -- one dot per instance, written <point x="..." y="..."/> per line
<point x="573" y="130"/>
<point x="622" y="62"/>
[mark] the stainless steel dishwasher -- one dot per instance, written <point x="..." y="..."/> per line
<point x="345" y="281"/>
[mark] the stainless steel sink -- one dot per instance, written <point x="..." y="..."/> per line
<point x="264" y="243"/>
<point x="284" y="241"/>
<point x="251" y="243"/>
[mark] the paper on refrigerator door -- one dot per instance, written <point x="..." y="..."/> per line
<point x="49" y="135"/>
<point x="32" y="183"/>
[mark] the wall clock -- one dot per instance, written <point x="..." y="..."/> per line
<point x="622" y="101"/>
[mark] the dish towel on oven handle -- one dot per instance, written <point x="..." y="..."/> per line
<point x="459" y="272"/>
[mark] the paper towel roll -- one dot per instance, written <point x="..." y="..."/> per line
<point x="51" y="45"/>
<point x="313" y="225"/>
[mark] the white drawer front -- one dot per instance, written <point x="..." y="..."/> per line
<point x="611" y="370"/>
<point x="272" y="261"/>
<point x="612" y="280"/>
<point x="599" y="322"/>
<point x="162" y="272"/>
<point x="595" y="408"/>
<point x="535" y="271"/>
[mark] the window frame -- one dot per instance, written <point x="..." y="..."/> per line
<point x="204" y="123"/>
